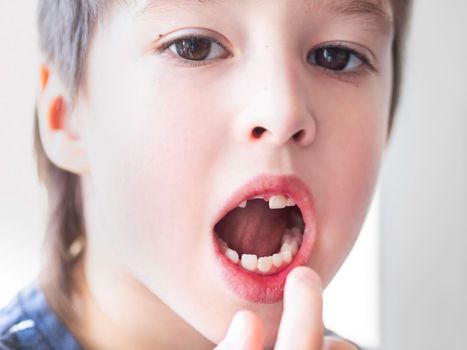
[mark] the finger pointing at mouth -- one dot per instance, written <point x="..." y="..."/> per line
<point x="301" y="325"/>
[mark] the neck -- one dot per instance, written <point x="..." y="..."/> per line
<point x="115" y="311"/>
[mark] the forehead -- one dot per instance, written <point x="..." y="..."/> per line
<point x="377" y="12"/>
<point x="351" y="5"/>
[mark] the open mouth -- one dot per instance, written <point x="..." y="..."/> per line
<point x="264" y="230"/>
<point x="263" y="234"/>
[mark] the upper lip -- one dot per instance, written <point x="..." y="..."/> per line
<point x="289" y="185"/>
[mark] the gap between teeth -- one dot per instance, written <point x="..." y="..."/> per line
<point x="291" y="241"/>
<point x="277" y="201"/>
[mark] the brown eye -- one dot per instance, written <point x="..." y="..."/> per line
<point x="193" y="49"/>
<point x="335" y="58"/>
<point x="197" y="48"/>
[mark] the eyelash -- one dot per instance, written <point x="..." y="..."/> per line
<point x="191" y="63"/>
<point x="342" y="75"/>
<point x="346" y="75"/>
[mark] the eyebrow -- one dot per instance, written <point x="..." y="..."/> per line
<point x="371" y="10"/>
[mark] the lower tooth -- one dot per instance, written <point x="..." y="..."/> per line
<point x="287" y="236"/>
<point x="287" y="256"/>
<point x="222" y="244"/>
<point x="232" y="255"/>
<point x="293" y="247"/>
<point x="277" y="259"/>
<point x="291" y="241"/>
<point x="249" y="261"/>
<point x="297" y="234"/>
<point x="265" y="263"/>
<point x="290" y="246"/>
<point x="296" y="231"/>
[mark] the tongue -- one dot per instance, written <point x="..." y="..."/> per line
<point x="255" y="229"/>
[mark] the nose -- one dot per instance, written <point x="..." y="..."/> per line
<point x="276" y="106"/>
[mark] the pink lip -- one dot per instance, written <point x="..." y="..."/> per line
<point x="267" y="289"/>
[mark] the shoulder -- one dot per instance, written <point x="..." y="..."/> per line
<point x="27" y="322"/>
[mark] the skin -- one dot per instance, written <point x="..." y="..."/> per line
<point x="297" y="330"/>
<point x="160" y="145"/>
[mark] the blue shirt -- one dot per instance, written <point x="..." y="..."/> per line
<point x="28" y="323"/>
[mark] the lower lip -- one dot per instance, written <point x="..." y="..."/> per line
<point x="264" y="289"/>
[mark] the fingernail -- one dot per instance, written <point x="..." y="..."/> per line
<point x="309" y="277"/>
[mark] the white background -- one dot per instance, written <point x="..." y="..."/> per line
<point x="412" y="295"/>
<point x="424" y="190"/>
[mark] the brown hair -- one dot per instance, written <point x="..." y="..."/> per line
<point x="65" y="31"/>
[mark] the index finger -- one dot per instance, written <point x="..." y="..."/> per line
<point x="301" y="326"/>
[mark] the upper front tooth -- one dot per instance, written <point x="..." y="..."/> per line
<point x="242" y="204"/>
<point x="290" y="202"/>
<point x="277" y="201"/>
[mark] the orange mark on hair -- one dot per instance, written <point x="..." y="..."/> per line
<point x="44" y="73"/>
<point x="56" y="114"/>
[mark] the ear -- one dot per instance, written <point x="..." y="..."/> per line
<point x="61" y="136"/>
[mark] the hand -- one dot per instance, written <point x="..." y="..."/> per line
<point x="301" y="326"/>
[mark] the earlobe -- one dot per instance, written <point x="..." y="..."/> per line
<point x="64" y="147"/>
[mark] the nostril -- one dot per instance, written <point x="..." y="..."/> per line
<point x="257" y="132"/>
<point x="298" y="135"/>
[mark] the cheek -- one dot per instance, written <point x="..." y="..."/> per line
<point x="347" y="156"/>
<point x="150" y="165"/>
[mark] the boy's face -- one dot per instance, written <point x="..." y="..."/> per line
<point x="265" y="88"/>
